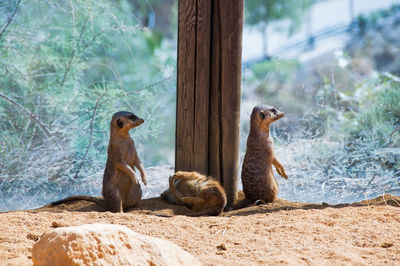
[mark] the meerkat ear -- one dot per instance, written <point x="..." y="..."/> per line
<point x="120" y="123"/>
<point x="262" y="115"/>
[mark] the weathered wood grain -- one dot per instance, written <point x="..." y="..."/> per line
<point x="187" y="20"/>
<point x="208" y="93"/>
<point x="202" y="86"/>
<point x="225" y="93"/>
<point x="215" y="138"/>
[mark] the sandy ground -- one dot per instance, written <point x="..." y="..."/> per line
<point x="280" y="233"/>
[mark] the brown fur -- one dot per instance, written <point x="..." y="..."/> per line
<point x="121" y="188"/>
<point x="202" y="194"/>
<point x="257" y="175"/>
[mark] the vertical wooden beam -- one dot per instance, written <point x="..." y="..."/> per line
<point x="208" y="93"/>
<point x="225" y="93"/>
<point x="186" y="84"/>
<point x="201" y="101"/>
<point x="215" y="144"/>
<point x="194" y="34"/>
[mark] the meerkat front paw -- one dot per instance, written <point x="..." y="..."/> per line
<point x="284" y="173"/>
<point x="144" y="180"/>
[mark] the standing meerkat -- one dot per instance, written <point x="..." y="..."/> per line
<point x="257" y="175"/>
<point x="121" y="188"/>
<point x="202" y="194"/>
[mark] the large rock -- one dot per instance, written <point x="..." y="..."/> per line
<point x="106" y="244"/>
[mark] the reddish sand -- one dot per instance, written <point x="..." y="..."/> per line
<point x="279" y="233"/>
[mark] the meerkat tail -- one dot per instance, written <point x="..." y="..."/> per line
<point x="98" y="201"/>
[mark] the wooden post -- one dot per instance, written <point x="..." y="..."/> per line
<point x="208" y="92"/>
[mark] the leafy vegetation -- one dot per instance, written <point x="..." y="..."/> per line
<point x="65" y="68"/>
<point x="381" y="119"/>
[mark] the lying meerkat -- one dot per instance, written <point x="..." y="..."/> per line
<point x="202" y="194"/>
<point x="121" y="188"/>
<point x="257" y="175"/>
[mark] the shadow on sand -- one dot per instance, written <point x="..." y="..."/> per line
<point x="158" y="207"/>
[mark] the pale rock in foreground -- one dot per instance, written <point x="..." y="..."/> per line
<point x="106" y="244"/>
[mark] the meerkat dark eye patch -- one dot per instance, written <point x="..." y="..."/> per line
<point x="120" y="123"/>
<point x="273" y="110"/>
<point x="132" y="117"/>
<point x="262" y="115"/>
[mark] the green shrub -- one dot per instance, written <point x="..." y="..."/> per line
<point x="65" y="68"/>
<point x="381" y="117"/>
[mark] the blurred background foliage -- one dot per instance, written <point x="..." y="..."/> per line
<point x="67" y="65"/>
<point x="261" y="13"/>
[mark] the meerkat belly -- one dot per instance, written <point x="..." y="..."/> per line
<point x="131" y="157"/>
<point x="124" y="186"/>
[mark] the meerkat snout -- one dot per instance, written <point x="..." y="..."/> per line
<point x="136" y="119"/>
<point x="278" y="114"/>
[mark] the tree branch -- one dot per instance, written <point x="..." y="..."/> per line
<point x="10" y="18"/>
<point x="42" y="126"/>
<point x="141" y="89"/>
<point x="32" y="116"/>
<point x="90" y="139"/>
<point x="391" y="134"/>
<point x="71" y="58"/>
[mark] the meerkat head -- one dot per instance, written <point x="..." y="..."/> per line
<point x="263" y="115"/>
<point x="125" y="121"/>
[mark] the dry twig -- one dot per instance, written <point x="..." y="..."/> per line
<point x="90" y="139"/>
<point x="141" y="89"/>
<point x="71" y="58"/>
<point x="32" y="116"/>
<point x="10" y="18"/>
